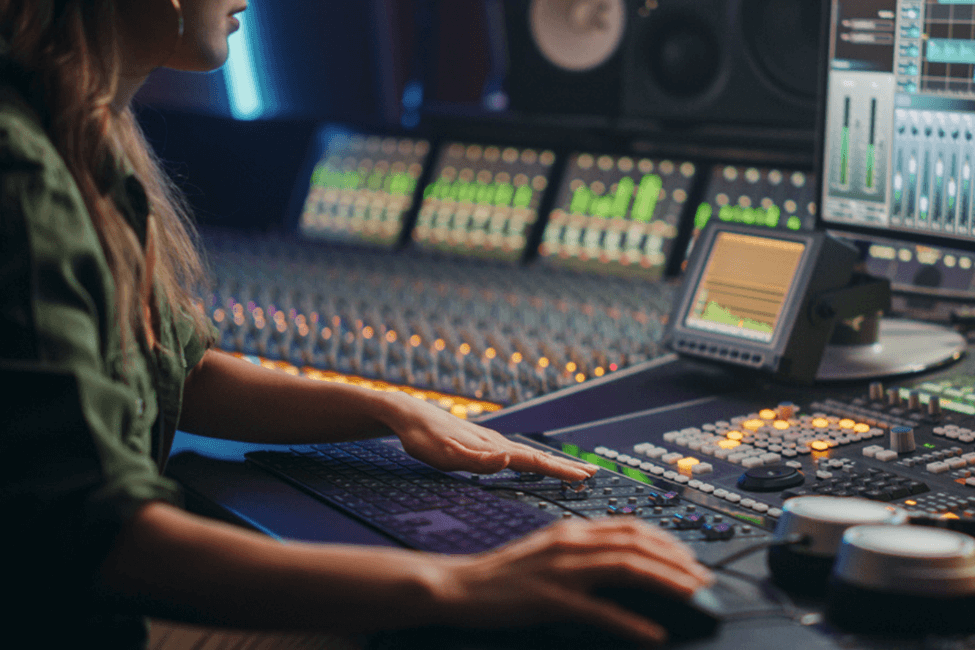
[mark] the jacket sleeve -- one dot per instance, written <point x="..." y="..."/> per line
<point x="75" y="426"/>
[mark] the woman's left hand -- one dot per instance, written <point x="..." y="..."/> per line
<point x="449" y="443"/>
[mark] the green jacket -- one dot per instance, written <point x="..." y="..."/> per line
<point x="84" y="428"/>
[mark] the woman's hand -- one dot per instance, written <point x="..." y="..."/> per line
<point x="549" y="576"/>
<point x="450" y="444"/>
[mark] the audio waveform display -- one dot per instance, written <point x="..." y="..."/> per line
<point x="744" y="286"/>
<point x="483" y="200"/>
<point x="362" y="189"/>
<point x="616" y="214"/>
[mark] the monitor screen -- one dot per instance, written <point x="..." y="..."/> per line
<point x="744" y="285"/>
<point x="616" y="214"/>
<point x="900" y="118"/>
<point x="361" y="189"/>
<point x="483" y="200"/>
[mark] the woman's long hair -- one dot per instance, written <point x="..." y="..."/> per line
<point x="69" y="50"/>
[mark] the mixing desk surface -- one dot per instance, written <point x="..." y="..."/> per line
<point x="497" y="333"/>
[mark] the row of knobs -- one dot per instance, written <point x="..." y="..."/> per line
<point x="464" y="335"/>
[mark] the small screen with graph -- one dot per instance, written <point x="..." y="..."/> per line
<point x="745" y="286"/>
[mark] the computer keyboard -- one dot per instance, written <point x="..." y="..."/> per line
<point x="378" y="483"/>
<point x="408" y="500"/>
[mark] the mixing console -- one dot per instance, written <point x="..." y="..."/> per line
<point x="913" y="445"/>
<point x="483" y="200"/>
<point x="362" y="189"/>
<point x="468" y="328"/>
<point x="617" y="214"/>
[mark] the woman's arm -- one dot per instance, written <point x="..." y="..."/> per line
<point x="176" y="565"/>
<point x="226" y="397"/>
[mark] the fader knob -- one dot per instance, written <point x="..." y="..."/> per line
<point x="914" y="400"/>
<point x="876" y="391"/>
<point x="902" y="439"/>
<point x="934" y="406"/>
<point x="893" y="397"/>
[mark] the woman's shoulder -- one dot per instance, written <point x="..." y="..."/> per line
<point x="24" y="144"/>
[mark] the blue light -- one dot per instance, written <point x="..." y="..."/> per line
<point x="241" y="72"/>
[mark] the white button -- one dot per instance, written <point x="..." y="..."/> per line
<point x="747" y="503"/>
<point x="871" y="451"/>
<point x="956" y="463"/>
<point x="682" y="479"/>
<point x="702" y="468"/>
<point x="634" y="462"/>
<point x="672" y="458"/>
<point x="623" y="458"/>
<point x="938" y="467"/>
<point x="647" y="467"/>
<point x="775" y="512"/>
<point x="886" y="455"/>
<point x="707" y="488"/>
<point x="721" y="493"/>
<point x="670" y="436"/>
<point x="670" y="474"/>
<point x="794" y="464"/>
<point x="760" y="507"/>
<point x="657" y="470"/>
<point x="770" y="458"/>
<point x="694" y="483"/>
<point x="752" y="461"/>
<point x="732" y="497"/>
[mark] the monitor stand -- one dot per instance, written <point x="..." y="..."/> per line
<point x="900" y="347"/>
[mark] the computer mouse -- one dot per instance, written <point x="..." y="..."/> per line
<point x="696" y="618"/>
<point x="687" y="620"/>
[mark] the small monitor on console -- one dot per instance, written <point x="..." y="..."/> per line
<point x="753" y="298"/>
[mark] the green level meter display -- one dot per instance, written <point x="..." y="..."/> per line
<point x="492" y="194"/>
<point x="616" y="205"/>
<point x="397" y="183"/>
<point x="770" y="217"/>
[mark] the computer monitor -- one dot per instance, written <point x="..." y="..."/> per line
<point x="898" y="143"/>
<point x="898" y="152"/>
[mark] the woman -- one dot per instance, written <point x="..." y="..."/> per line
<point x="96" y="258"/>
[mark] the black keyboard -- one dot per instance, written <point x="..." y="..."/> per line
<point x="408" y="500"/>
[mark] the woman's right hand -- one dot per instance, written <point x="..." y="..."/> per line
<point x="550" y="575"/>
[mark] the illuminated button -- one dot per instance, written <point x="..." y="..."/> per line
<point x="861" y="427"/>
<point x="767" y="414"/>
<point x="728" y="444"/>
<point x="846" y="423"/>
<point x="819" y="445"/>
<point x="820" y="423"/>
<point x="753" y="425"/>
<point x="734" y="435"/>
<point x="687" y="464"/>
<point x="781" y="425"/>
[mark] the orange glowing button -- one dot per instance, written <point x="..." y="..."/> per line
<point x="767" y="414"/>
<point x="820" y="423"/>
<point x="910" y="502"/>
<point x="950" y="515"/>
<point x="728" y="444"/>
<point x="686" y="464"/>
<point x="847" y="423"/>
<point x="780" y="424"/>
<point x="735" y="435"/>
<point x="861" y="427"/>
<point x="819" y="445"/>
<point x="753" y="425"/>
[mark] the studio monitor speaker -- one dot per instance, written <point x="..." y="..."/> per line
<point x="739" y="62"/>
<point x="566" y="56"/>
